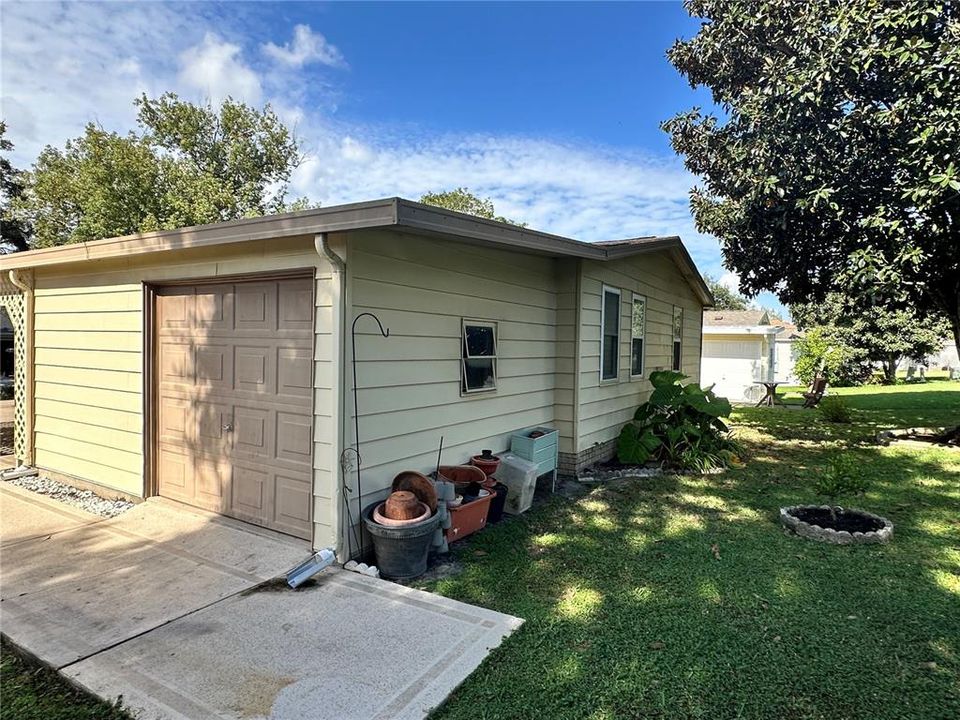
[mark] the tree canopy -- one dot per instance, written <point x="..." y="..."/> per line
<point x="835" y="157"/>
<point x="13" y="232"/>
<point x="882" y="332"/>
<point x="725" y="298"/>
<point x="187" y="164"/>
<point x="462" y="200"/>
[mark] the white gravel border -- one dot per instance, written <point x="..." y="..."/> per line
<point x="69" y="495"/>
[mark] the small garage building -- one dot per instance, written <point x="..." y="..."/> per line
<point x="742" y="348"/>
<point x="214" y="365"/>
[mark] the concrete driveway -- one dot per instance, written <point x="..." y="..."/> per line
<point x="171" y="609"/>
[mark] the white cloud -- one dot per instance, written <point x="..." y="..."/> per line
<point x="587" y="192"/>
<point x="216" y="69"/>
<point x="571" y="188"/>
<point x="307" y="46"/>
<point x="731" y="281"/>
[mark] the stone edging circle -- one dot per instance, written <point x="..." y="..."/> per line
<point x="596" y="474"/>
<point x="829" y="535"/>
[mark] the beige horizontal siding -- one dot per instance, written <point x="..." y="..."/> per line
<point x="89" y="358"/>
<point x="421" y="289"/>
<point x="604" y="406"/>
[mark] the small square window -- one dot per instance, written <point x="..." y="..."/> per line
<point x="478" y="357"/>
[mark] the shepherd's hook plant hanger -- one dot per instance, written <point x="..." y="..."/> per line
<point x="356" y="411"/>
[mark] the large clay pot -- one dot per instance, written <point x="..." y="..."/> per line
<point x="419" y="484"/>
<point x="402" y="505"/>
<point x="381" y="519"/>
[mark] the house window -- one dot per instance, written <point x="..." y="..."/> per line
<point x="610" y="334"/>
<point x="677" y="336"/>
<point x="638" y="328"/>
<point x="478" y="372"/>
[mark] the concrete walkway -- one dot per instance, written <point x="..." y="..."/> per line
<point x="170" y="608"/>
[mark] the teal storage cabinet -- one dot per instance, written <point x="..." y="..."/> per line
<point x="540" y="450"/>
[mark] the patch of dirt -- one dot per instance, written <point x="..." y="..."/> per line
<point x="278" y="584"/>
<point x="850" y="521"/>
<point x="259" y="693"/>
<point x="944" y="437"/>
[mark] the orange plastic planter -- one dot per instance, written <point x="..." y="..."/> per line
<point x="468" y="518"/>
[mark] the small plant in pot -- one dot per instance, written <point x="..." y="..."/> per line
<point x="841" y="477"/>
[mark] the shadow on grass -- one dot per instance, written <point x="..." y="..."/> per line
<point x="680" y="597"/>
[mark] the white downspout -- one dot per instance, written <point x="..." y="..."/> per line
<point x="338" y="270"/>
<point x="24" y="282"/>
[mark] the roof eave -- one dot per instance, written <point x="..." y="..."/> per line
<point x="385" y="213"/>
<point x="372" y="214"/>
<point x="741" y="329"/>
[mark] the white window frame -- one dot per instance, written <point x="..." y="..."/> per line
<point x="603" y="324"/>
<point x="465" y="355"/>
<point x="642" y="337"/>
<point x="674" y="355"/>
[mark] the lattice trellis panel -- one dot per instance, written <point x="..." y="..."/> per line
<point x="12" y="301"/>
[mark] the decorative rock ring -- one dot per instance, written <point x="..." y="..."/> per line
<point x="809" y="521"/>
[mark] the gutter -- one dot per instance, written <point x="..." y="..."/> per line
<point x="23" y="280"/>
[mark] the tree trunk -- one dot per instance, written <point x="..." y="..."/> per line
<point x="955" y="326"/>
<point x="890" y="369"/>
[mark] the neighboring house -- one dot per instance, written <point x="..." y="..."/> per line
<point x="212" y="365"/>
<point x="744" y="347"/>
<point x="944" y="359"/>
<point x="786" y="352"/>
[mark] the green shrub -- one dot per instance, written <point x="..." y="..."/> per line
<point x="836" y="410"/>
<point x="841" y="476"/>
<point x="680" y="425"/>
<point x="826" y="351"/>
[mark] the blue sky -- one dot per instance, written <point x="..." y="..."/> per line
<point x="551" y="109"/>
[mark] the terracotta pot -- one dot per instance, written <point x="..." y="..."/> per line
<point x="381" y="519"/>
<point x="402" y="505"/>
<point x="419" y="484"/>
<point x="488" y="462"/>
<point x="463" y="474"/>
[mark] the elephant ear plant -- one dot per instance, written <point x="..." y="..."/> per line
<point x="680" y="425"/>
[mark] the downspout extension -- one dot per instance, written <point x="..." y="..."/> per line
<point x="24" y="282"/>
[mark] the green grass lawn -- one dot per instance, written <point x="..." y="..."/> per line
<point x="679" y="597"/>
<point x="30" y="692"/>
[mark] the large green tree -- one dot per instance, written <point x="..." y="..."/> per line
<point x="187" y="164"/>
<point x="13" y="231"/>
<point x="834" y="157"/>
<point x="462" y="200"/>
<point x="885" y="332"/>
<point x="725" y="298"/>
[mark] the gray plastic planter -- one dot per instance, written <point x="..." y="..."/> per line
<point x="401" y="551"/>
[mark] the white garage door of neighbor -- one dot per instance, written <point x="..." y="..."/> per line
<point x="733" y="366"/>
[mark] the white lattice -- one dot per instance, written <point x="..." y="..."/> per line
<point x="12" y="301"/>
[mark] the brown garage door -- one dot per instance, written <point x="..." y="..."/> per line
<point x="234" y="375"/>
